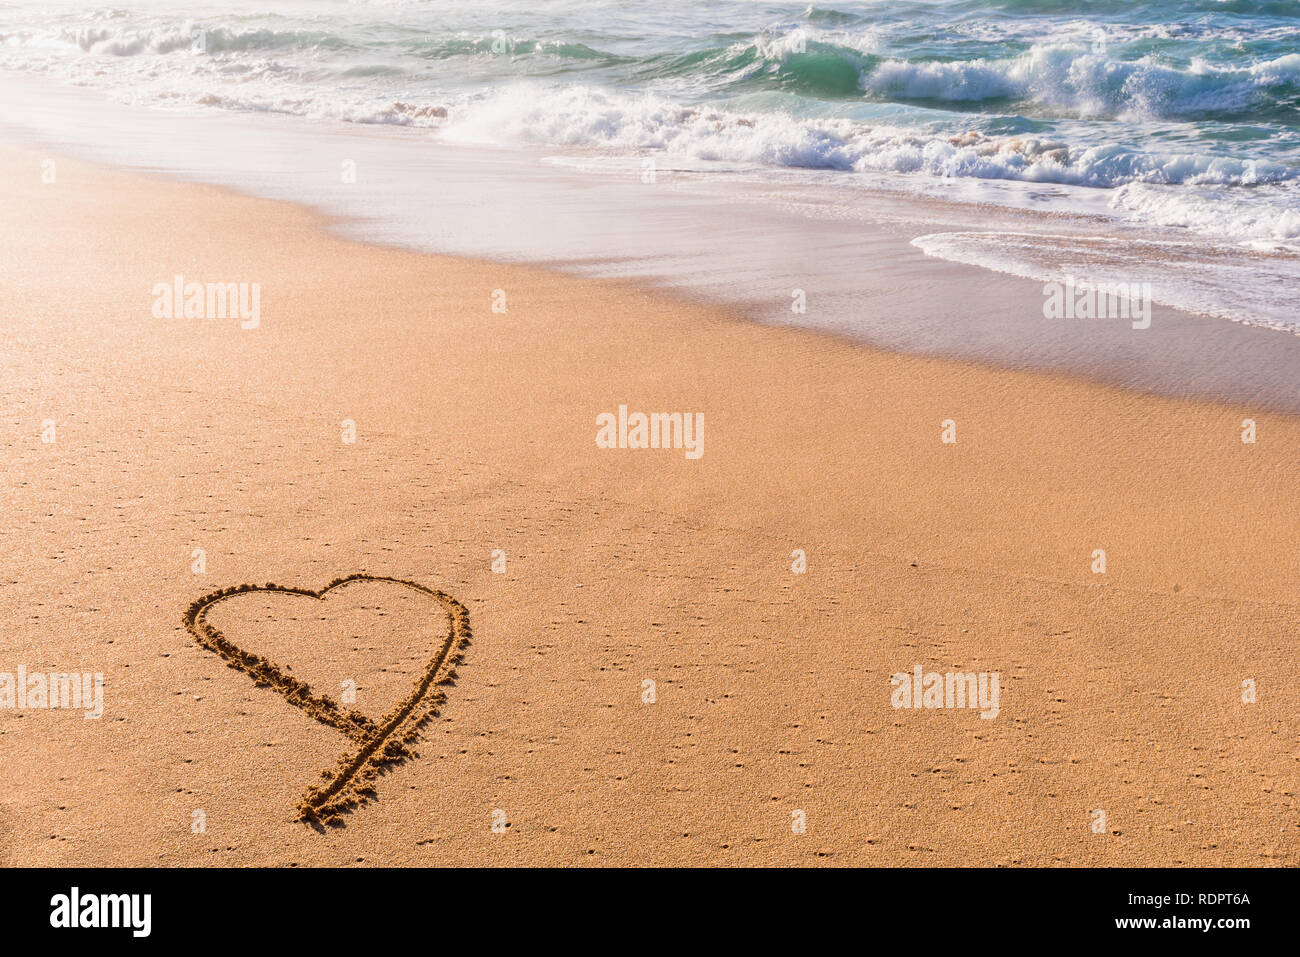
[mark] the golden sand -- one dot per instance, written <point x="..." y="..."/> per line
<point x="650" y="681"/>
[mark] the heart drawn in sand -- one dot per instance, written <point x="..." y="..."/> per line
<point x="379" y="743"/>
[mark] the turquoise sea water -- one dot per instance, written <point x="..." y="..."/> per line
<point x="1187" y="112"/>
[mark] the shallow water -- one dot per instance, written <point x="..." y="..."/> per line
<point x="739" y="150"/>
<point x="753" y="242"/>
<point x="1171" y="113"/>
<point x="1198" y="95"/>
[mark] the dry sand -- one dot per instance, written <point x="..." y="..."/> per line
<point x="475" y="432"/>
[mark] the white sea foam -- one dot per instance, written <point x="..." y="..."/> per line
<point x="1271" y="221"/>
<point x="1195" y="277"/>
<point x="589" y="117"/>
<point x="1089" y="83"/>
<point x="1183" y="122"/>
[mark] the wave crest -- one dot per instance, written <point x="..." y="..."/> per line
<point x="1091" y="83"/>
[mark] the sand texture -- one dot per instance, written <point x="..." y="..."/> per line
<point x="650" y="680"/>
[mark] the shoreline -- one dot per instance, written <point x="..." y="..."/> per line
<point x="738" y="246"/>
<point x="475" y="433"/>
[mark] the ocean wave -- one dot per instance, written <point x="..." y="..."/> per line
<point x="501" y="43"/>
<point x="821" y="56"/>
<point x="815" y="14"/>
<point x="1136" y="9"/>
<point x="1269" y="221"/>
<point x="798" y="62"/>
<point x="1092" y="83"/>
<point x="1192" y="119"/>
<point x="195" y="36"/>
<point x="790" y="58"/>
<point x="1076" y="78"/>
<point x="596" y="118"/>
<point x="201" y="36"/>
<point x="358" y="110"/>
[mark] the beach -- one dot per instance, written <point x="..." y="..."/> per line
<point x="675" y="660"/>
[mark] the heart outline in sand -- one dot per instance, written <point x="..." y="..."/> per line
<point x="350" y="783"/>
